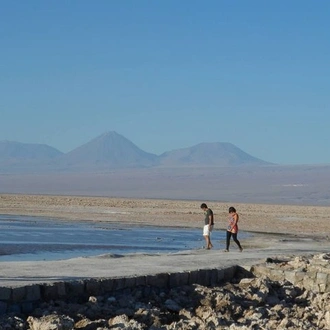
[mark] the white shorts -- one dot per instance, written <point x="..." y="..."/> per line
<point x="207" y="230"/>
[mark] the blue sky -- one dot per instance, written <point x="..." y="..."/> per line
<point x="169" y="74"/>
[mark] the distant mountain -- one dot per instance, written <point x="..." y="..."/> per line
<point x="10" y="150"/>
<point x="209" y="154"/>
<point x="16" y="155"/>
<point x="113" y="151"/>
<point x="109" y="150"/>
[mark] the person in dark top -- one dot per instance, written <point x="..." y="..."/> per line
<point x="208" y="225"/>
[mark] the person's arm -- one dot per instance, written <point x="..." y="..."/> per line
<point x="235" y="217"/>
<point x="232" y="221"/>
<point x="210" y="218"/>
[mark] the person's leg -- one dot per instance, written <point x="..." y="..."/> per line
<point x="206" y="234"/>
<point x="210" y="243"/>
<point x="237" y="241"/>
<point x="210" y="246"/>
<point x="207" y="241"/>
<point x="228" y="236"/>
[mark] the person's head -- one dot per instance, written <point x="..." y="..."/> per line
<point x="232" y="210"/>
<point x="203" y="206"/>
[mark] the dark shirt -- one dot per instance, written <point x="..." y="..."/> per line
<point x="208" y="213"/>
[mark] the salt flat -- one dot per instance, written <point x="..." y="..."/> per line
<point x="277" y="229"/>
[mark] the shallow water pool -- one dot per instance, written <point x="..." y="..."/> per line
<point x="24" y="238"/>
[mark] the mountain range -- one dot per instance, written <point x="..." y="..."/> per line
<point x="111" y="151"/>
<point x="111" y="165"/>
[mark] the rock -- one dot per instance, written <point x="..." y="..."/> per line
<point x="51" y="322"/>
<point x="172" y="306"/>
<point x="257" y="302"/>
<point x="86" y="324"/>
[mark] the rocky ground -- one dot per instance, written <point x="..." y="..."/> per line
<point x="247" y="302"/>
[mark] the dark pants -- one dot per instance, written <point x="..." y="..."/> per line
<point x="229" y="234"/>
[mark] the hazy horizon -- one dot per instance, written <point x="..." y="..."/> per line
<point x="290" y="185"/>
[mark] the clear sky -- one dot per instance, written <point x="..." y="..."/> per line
<point x="169" y="74"/>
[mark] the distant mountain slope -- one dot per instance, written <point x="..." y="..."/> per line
<point x="22" y="157"/>
<point x="16" y="151"/>
<point x="209" y="154"/>
<point x="109" y="150"/>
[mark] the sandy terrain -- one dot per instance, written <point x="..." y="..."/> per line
<point x="297" y="220"/>
<point x="307" y="231"/>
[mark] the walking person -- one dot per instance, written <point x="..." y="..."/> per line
<point x="232" y="229"/>
<point x="208" y="225"/>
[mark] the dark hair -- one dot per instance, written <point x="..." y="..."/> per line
<point x="203" y="206"/>
<point x="232" y="209"/>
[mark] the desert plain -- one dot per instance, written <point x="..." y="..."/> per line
<point x="275" y="230"/>
<point x="298" y="220"/>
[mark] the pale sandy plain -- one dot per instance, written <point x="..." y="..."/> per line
<point x="263" y="218"/>
<point x="277" y="229"/>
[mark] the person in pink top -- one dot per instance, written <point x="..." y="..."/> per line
<point x="232" y="229"/>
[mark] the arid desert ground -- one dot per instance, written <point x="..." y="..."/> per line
<point x="259" y="218"/>
<point x="276" y="230"/>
